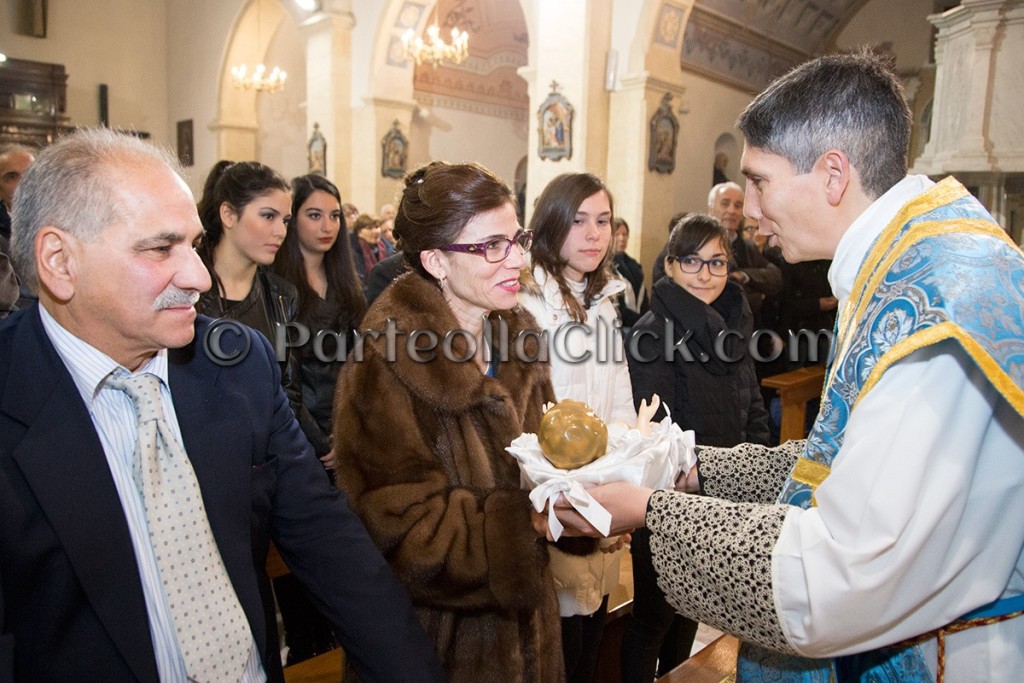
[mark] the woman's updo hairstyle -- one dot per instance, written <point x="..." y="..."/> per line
<point x="237" y="184"/>
<point x="438" y="201"/>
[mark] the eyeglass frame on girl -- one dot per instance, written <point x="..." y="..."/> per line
<point x="480" y="248"/>
<point x="679" y="260"/>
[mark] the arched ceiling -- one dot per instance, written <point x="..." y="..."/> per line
<point x="747" y="43"/>
<point x="487" y="81"/>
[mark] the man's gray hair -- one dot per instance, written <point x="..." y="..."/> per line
<point x="851" y="102"/>
<point x="719" y="189"/>
<point x="70" y="186"/>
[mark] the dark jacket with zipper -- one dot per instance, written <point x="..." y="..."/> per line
<point x="281" y="303"/>
<point x="715" y="391"/>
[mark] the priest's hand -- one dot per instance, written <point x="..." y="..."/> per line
<point x="626" y="502"/>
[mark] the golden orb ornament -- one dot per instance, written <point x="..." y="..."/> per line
<point x="571" y="435"/>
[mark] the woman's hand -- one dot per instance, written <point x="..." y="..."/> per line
<point x="327" y="459"/>
<point x="540" y="523"/>
<point x="615" y="544"/>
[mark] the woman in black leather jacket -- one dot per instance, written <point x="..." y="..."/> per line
<point x="316" y="258"/>
<point x="245" y="210"/>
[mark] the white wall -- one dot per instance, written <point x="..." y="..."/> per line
<point x="458" y="136"/>
<point x="907" y="29"/>
<point x="121" y="43"/>
<point x="197" y="33"/>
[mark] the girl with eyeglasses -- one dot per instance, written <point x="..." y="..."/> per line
<point x="421" y="426"/>
<point x="571" y="289"/>
<point x="708" y="385"/>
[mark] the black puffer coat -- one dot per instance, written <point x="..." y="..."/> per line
<point x="713" y="392"/>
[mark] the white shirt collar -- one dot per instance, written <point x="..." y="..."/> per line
<point x="90" y="367"/>
<point x="857" y="240"/>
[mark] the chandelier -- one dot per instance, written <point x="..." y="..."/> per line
<point x="259" y="79"/>
<point x="434" y="49"/>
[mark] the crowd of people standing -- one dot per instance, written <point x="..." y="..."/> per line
<point x="380" y="471"/>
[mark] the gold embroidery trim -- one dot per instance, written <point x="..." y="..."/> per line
<point x="940" y="194"/>
<point x="932" y="335"/>
<point x="867" y="280"/>
<point x="810" y="472"/>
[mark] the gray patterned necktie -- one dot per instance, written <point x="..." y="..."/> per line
<point x="210" y="625"/>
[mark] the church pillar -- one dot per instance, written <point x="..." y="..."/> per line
<point x="577" y="67"/>
<point x="641" y="194"/>
<point x="329" y="87"/>
<point x="372" y="122"/>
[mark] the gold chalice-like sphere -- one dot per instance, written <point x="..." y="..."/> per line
<point x="571" y="435"/>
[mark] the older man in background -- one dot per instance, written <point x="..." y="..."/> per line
<point x="759" y="277"/>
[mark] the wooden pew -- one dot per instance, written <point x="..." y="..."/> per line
<point x="325" y="668"/>
<point x="716" y="663"/>
<point x="795" y="388"/>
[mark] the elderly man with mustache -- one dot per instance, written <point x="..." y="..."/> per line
<point x="143" y="474"/>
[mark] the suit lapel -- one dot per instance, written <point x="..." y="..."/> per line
<point x="63" y="462"/>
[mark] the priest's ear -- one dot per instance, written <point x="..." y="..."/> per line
<point x="56" y="262"/>
<point x="838" y="173"/>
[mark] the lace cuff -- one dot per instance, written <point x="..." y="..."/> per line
<point x="747" y="473"/>
<point x="714" y="561"/>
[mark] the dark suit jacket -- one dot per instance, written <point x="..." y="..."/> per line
<point x="71" y="601"/>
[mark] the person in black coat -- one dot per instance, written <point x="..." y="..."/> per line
<point x="632" y="303"/>
<point x="708" y="385"/>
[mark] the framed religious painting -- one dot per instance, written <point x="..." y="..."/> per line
<point x="394" y="153"/>
<point x="664" y="135"/>
<point x="554" y="123"/>
<point x="185" y="152"/>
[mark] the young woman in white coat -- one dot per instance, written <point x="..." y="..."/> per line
<point x="569" y="291"/>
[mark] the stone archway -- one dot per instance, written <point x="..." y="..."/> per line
<point x="236" y="124"/>
<point x="438" y="109"/>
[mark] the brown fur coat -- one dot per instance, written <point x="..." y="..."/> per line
<point x="420" y="451"/>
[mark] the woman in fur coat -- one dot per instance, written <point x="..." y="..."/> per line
<point x="423" y="415"/>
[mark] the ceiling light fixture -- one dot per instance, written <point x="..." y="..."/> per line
<point x="259" y="79"/>
<point x="435" y="50"/>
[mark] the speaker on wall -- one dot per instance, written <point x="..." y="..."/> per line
<point x="104" y="111"/>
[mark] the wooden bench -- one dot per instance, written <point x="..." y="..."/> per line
<point x="795" y="388"/>
<point x="325" y="668"/>
<point x="713" y="664"/>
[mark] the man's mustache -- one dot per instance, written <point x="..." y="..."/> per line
<point x="174" y="296"/>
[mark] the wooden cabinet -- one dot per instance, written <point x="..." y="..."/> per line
<point x="33" y="102"/>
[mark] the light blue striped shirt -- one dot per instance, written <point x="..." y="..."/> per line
<point x="113" y="415"/>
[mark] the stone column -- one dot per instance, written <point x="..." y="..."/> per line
<point x="329" y="87"/>
<point x="578" y="67"/>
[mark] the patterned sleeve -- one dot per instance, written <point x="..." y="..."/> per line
<point x="747" y="473"/>
<point x="714" y="560"/>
